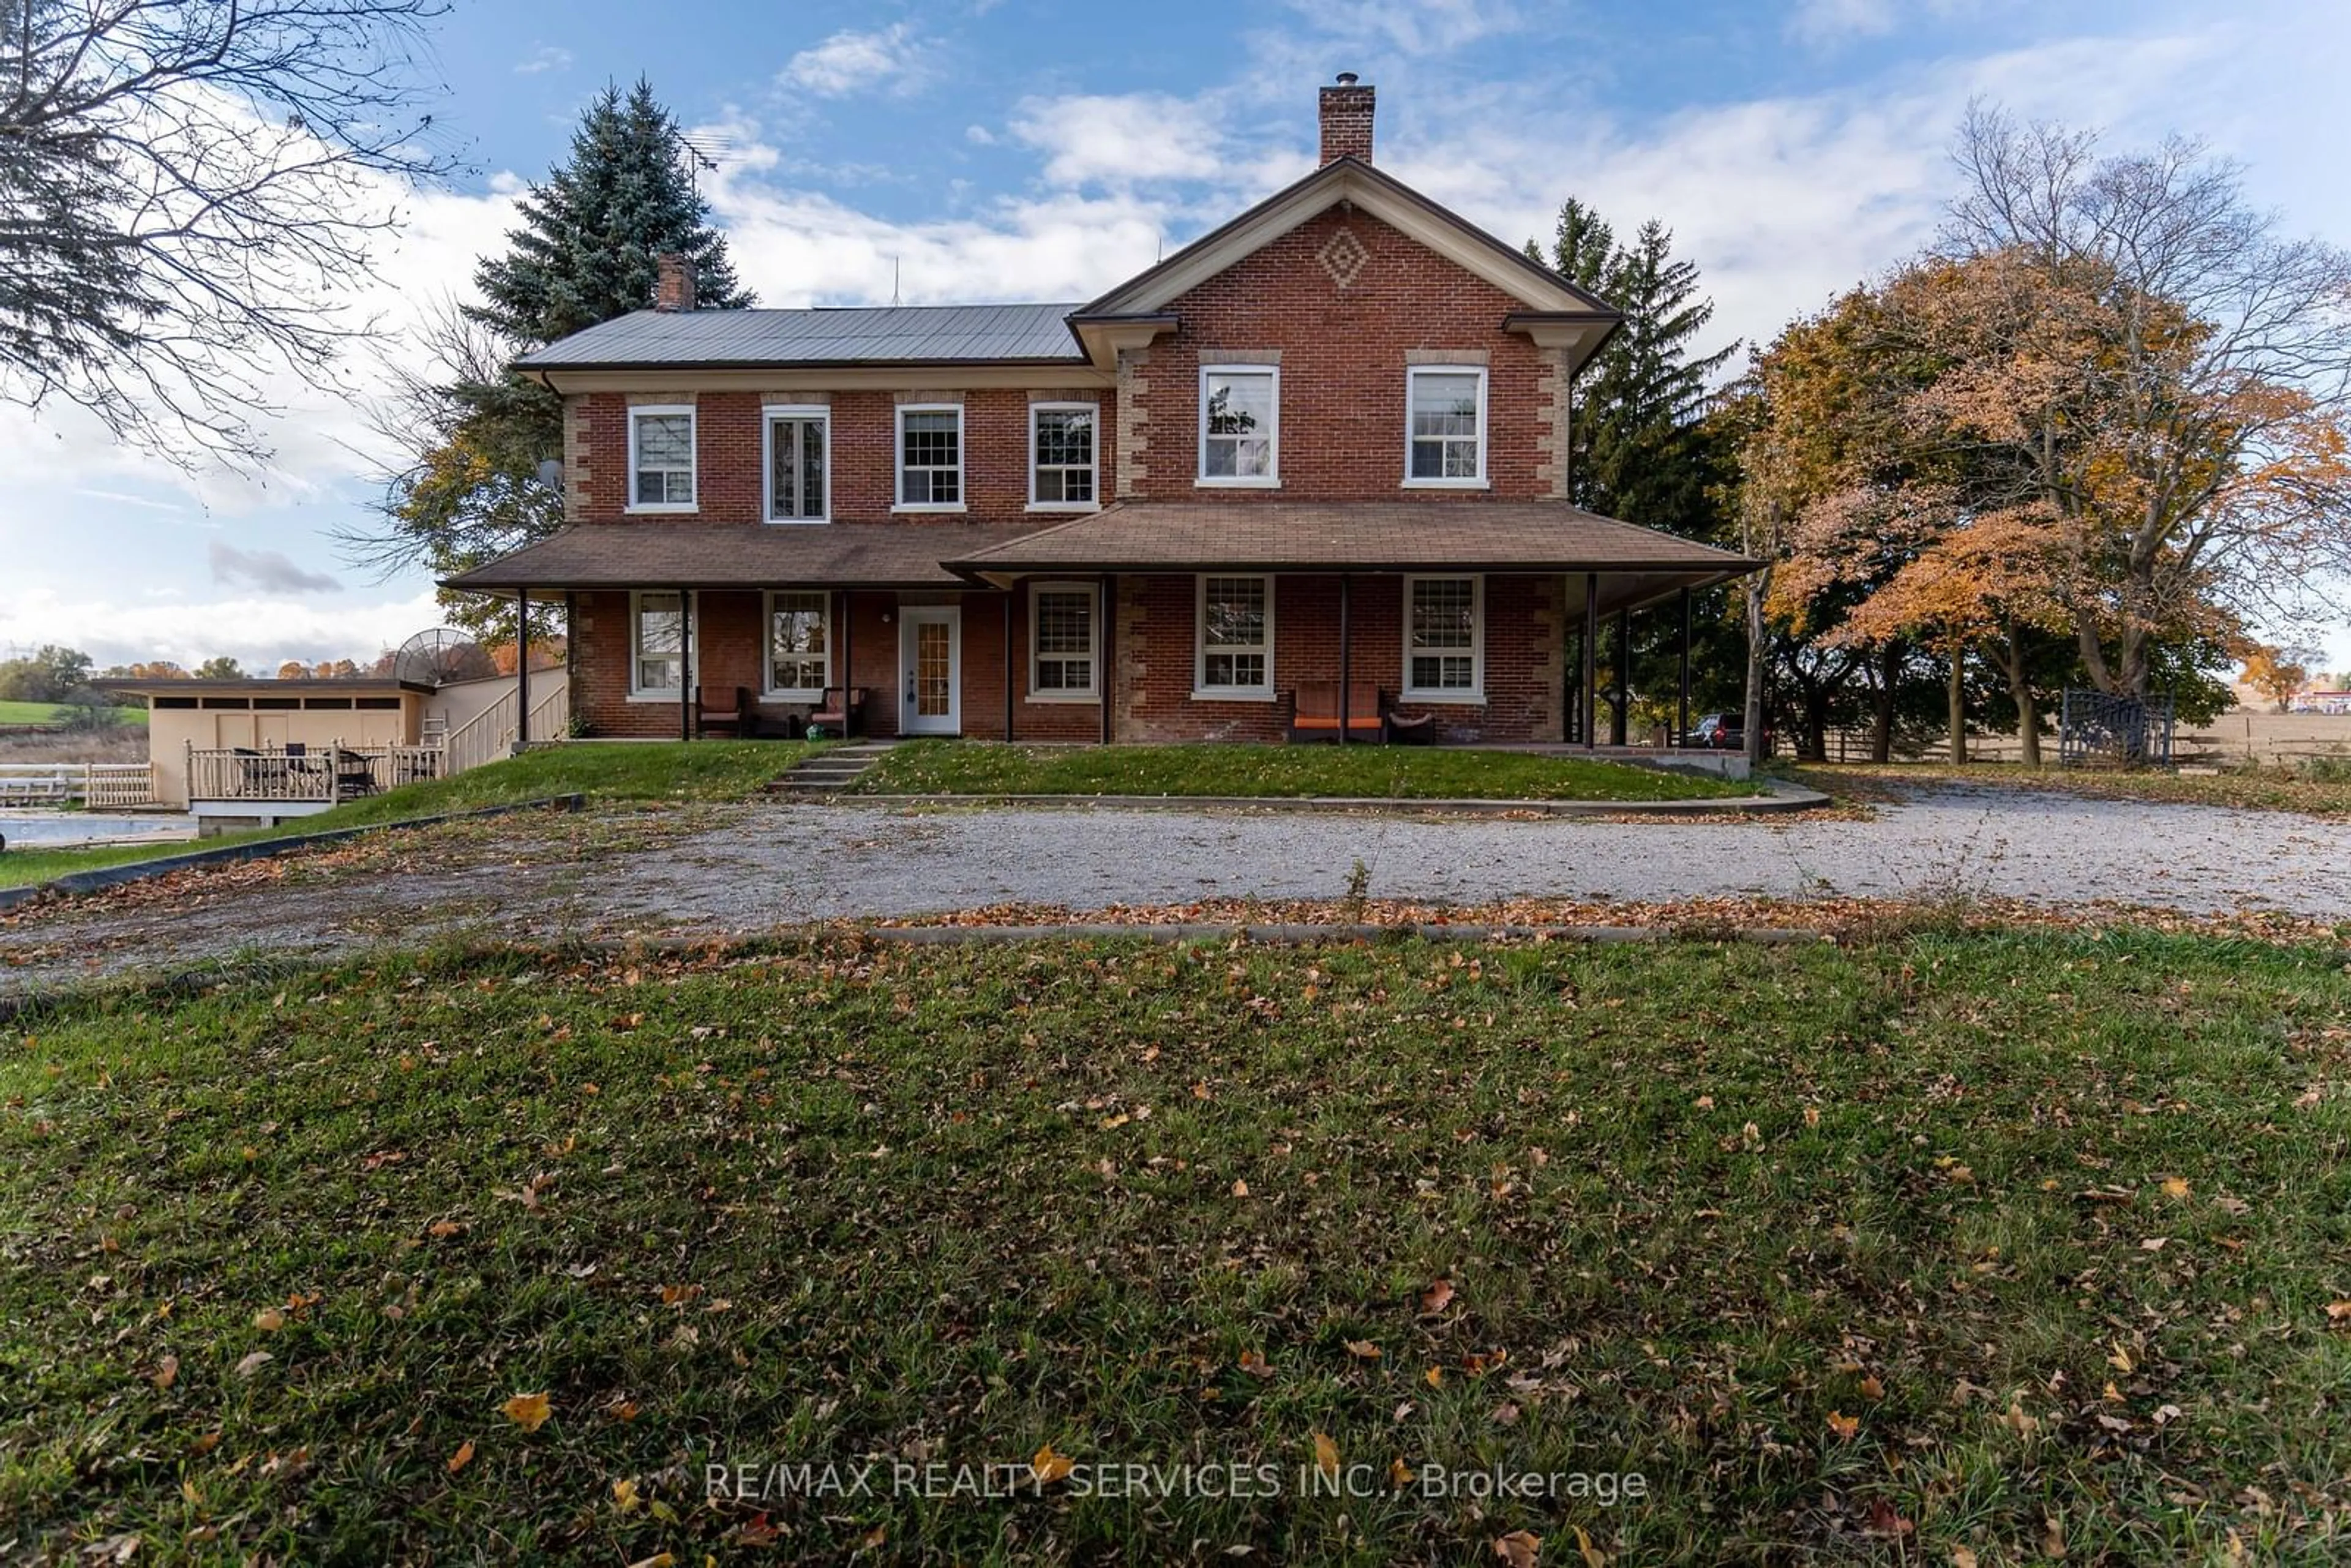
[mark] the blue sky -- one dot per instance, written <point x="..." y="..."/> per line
<point x="1012" y="149"/>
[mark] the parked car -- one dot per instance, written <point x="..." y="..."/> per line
<point x="1725" y="732"/>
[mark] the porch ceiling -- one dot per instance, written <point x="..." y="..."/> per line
<point x="1449" y="535"/>
<point x="738" y="555"/>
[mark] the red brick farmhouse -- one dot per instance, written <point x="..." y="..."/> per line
<point x="1321" y="449"/>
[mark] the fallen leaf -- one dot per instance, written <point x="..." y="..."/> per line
<point x="205" y="1443"/>
<point x="269" y="1320"/>
<point x="1962" y="1558"/>
<point x="1811" y="1116"/>
<point x="253" y="1363"/>
<point x="1255" y="1363"/>
<point x="1437" y="1298"/>
<point x="1326" y="1455"/>
<point x="1049" y="1467"/>
<point x="1399" y="1474"/>
<point x="2121" y="1360"/>
<point x="463" y="1456"/>
<point x="2175" y="1187"/>
<point x="1871" y="1388"/>
<point x="1592" y="1556"/>
<point x="1362" y="1350"/>
<point x="527" y="1411"/>
<point x="1519" y="1548"/>
<point x="1884" y="1519"/>
<point x="442" y="1228"/>
<point x="875" y="1537"/>
<point x="167" y="1372"/>
<point x="1844" y="1426"/>
<point x="1240" y="1188"/>
<point x="2052" y="1536"/>
<point x="2339" y="1312"/>
<point x="1435" y="1376"/>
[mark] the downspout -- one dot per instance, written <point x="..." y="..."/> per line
<point x="522" y="669"/>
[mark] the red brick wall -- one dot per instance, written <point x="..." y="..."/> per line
<point x="728" y="453"/>
<point x="1524" y="674"/>
<point x="1343" y="358"/>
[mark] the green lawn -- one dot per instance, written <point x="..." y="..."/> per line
<point x="2002" y="1244"/>
<point x="47" y="712"/>
<point x="1383" y="772"/>
<point x="651" y="772"/>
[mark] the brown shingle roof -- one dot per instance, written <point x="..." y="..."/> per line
<point x="740" y="555"/>
<point x="1266" y="535"/>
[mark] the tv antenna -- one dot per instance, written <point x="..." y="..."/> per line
<point x="705" y="151"/>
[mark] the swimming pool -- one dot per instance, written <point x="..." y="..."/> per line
<point x="67" y="829"/>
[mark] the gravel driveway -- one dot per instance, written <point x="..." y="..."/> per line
<point x="747" y="868"/>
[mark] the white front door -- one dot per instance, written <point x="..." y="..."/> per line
<point x="930" y="670"/>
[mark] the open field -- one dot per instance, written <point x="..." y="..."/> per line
<point x="2321" y="789"/>
<point x="669" y="772"/>
<point x="13" y="712"/>
<point x="1981" y="1242"/>
<point x="1376" y="772"/>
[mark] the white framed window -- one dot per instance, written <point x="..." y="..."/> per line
<point x="1063" y="452"/>
<point x="660" y="459"/>
<point x="1064" y="641"/>
<point x="1241" y="425"/>
<point x="800" y="644"/>
<point x="799" y="471"/>
<point x="930" y="457"/>
<point x="1235" y="638"/>
<point x="657" y="642"/>
<point x="1445" y="427"/>
<point x="1445" y="639"/>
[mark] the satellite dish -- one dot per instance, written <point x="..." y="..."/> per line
<point x="441" y="655"/>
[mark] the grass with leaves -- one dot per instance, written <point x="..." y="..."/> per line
<point x="15" y="712"/>
<point x="1374" y="772"/>
<point x="2321" y="786"/>
<point x="668" y="773"/>
<point x="1959" y="1243"/>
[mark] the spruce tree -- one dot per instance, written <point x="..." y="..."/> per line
<point x="473" y="435"/>
<point x="591" y="234"/>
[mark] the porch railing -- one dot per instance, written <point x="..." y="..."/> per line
<point x="94" y="784"/>
<point x="328" y="773"/>
<point x="490" y="733"/>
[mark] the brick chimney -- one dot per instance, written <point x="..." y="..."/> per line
<point x="1346" y="120"/>
<point x="673" y="282"/>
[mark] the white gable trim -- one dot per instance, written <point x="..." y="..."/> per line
<point x="1345" y="182"/>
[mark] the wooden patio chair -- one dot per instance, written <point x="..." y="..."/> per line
<point x="841" y="713"/>
<point x="712" y="712"/>
<point x="354" y="776"/>
<point x="1315" y="712"/>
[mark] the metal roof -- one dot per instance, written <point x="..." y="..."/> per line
<point x="740" y="555"/>
<point x="881" y="334"/>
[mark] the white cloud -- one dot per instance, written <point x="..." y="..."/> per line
<point x="546" y="58"/>
<point x="258" y="633"/>
<point x="1410" y="27"/>
<point x="894" y="57"/>
<point x="271" y="572"/>
<point x="1122" y="138"/>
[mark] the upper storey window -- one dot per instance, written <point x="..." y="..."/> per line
<point x="661" y="459"/>
<point x="1241" y="425"/>
<point x="930" y="457"/>
<point x="1061" y="455"/>
<point x="796" y="470"/>
<point x="1445" y="443"/>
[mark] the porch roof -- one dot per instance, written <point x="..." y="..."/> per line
<point x="1453" y="534"/>
<point x="739" y="555"/>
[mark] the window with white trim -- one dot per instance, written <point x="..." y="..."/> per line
<point x="930" y="457"/>
<point x="656" y="644"/>
<point x="1443" y="638"/>
<point x="798" y="644"/>
<point x="1061" y="454"/>
<point x="1445" y="443"/>
<point x="1064" y="628"/>
<point x="1241" y="425"/>
<point x="1236" y="633"/>
<point x="661" y="459"/>
<point x="798" y="480"/>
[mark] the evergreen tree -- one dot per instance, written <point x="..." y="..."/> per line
<point x="1640" y="446"/>
<point x="585" y="251"/>
<point x="590" y="236"/>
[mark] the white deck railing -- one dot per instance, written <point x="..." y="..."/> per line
<point x="330" y="773"/>
<point x="490" y="733"/>
<point x="94" y="784"/>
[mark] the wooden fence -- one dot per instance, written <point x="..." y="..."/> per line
<point x="331" y="773"/>
<point x="96" y="785"/>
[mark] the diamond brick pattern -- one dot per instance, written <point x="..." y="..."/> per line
<point x="1343" y="257"/>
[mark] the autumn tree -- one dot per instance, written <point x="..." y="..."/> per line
<point x="2276" y="672"/>
<point x="2175" y="403"/>
<point x="220" y="667"/>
